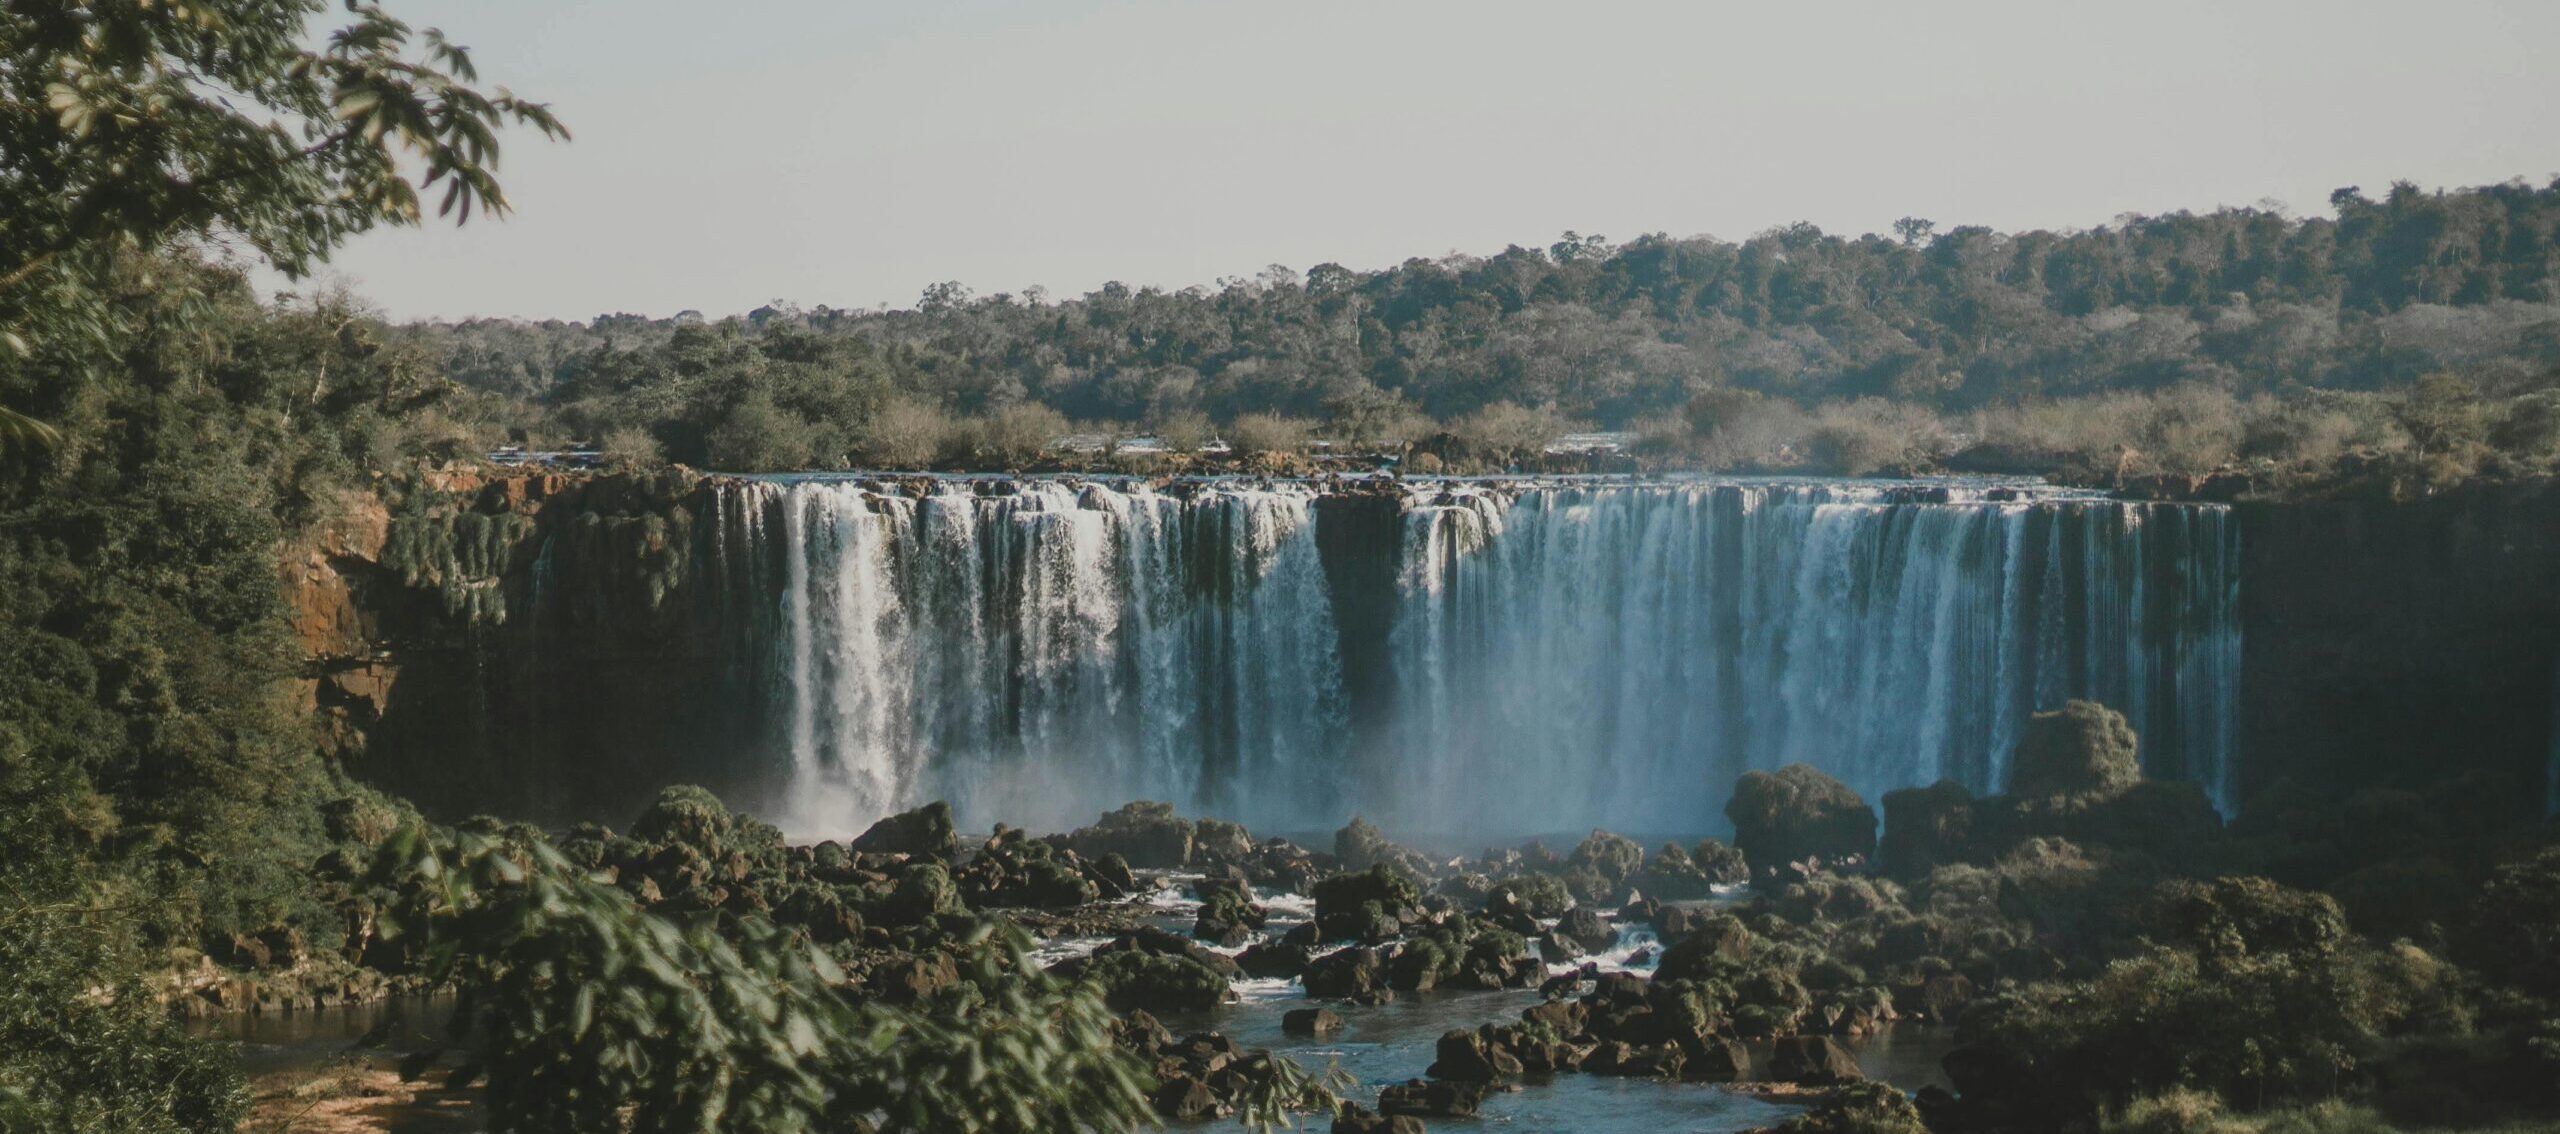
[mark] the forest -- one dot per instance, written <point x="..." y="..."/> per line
<point x="2181" y="343"/>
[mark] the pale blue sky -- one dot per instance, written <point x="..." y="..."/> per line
<point x="843" y="153"/>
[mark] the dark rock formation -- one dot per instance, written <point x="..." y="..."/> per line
<point x="1817" y="1061"/>
<point x="925" y="832"/>
<point x="1925" y="828"/>
<point x="1311" y="1022"/>
<point x="1145" y="834"/>
<point x="2082" y="750"/>
<point x="1426" y="1099"/>
<point x="1798" y="813"/>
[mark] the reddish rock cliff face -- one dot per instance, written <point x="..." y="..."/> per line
<point x="530" y="644"/>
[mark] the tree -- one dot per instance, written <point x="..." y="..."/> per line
<point x="129" y="127"/>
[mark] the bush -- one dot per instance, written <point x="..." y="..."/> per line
<point x="1510" y="434"/>
<point x="1017" y="435"/>
<point x="85" y="1046"/>
<point x="1256" y="434"/>
<point x="755" y="436"/>
<point x="904" y="433"/>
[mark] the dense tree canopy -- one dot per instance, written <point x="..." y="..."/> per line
<point x="2230" y="304"/>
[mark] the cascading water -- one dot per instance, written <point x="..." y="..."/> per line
<point x="1621" y="654"/>
<point x="1027" y="654"/>
<point x="1556" y="656"/>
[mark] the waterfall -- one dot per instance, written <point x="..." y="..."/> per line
<point x="1557" y="656"/>
<point x="1031" y="654"/>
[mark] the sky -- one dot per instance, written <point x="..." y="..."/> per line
<point x="849" y="152"/>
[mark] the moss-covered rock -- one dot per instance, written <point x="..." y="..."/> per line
<point x="1798" y="813"/>
<point x="2083" y="749"/>
<point x="925" y="832"/>
<point x="1370" y="905"/>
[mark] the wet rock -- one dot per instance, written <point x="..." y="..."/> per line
<point x="1586" y="929"/>
<point x="1798" y="813"/>
<point x="1146" y="834"/>
<point x="1473" y="1056"/>
<point x="1716" y="1059"/>
<point x="1274" y="959"/>
<point x="925" y="832"/>
<point x="1423" y="1098"/>
<point x="1635" y="1060"/>
<point x="1817" y="1061"/>
<point x="922" y="890"/>
<point x="1359" y="846"/>
<point x="1705" y="946"/>
<point x="1356" y="1119"/>
<point x="1610" y="860"/>
<point x="1220" y="842"/>
<point x="1227" y="919"/>
<point x="1924" y="829"/>
<point x="1346" y="974"/>
<point x="1183" y="1097"/>
<point x="1556" y="948"/>
<point x="1311" y="1022"/>
<point x="1566" y="1018"/>
<point x="1013" y="872"/>
<point x="1110" y="875"/>
<point x="1370" y="906"/>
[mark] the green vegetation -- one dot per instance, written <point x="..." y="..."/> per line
<point x="2413" y="339"/>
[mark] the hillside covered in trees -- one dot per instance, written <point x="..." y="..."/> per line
<point x="2193" y="341"/>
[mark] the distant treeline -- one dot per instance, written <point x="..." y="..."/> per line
<point x="2168" y="343"/>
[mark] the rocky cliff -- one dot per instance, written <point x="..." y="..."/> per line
<point x="2401" y="642"/>
<point x="527" y="644"/>
<point x="558" y="646"/>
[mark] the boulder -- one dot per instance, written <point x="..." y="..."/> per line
<point x="1423" y="1098"/>
<point x="925" y="832"/>
<point x="1110" y="875"/>
<point x="1705" y="946"/>
<point x="2081" y="750"/>
<point x="1798" y="813"/>
<point x="1354" y="1118"/>
<point x="1275" y="959"/>
<point x="1368" y="906"/>
<point x="1473" y="1056"/>
<point x="1155" y="982"/>
<point x="1636" y="1060"/>
<point x="1145" y="833"/>
<point x="1311" y="1022"/>
<point x="1716" y="1059"/>
<point x="1346" y="974"/>
<point x="1360" y="845"/>
<point x="1586" y="929"/>
<point x="1815" y="1061"/>
<point x="1924" y="829"/>
<point x="1216" y="840"/>
<point x="1612" y="859"/>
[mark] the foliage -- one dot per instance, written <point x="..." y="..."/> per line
<point x="586" y="1013"/>
<point x="128" y="127"/>
<point x="2172" y="344"/>
<point x="2260" y="1000"/>
<point x="83" y="1045"/>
